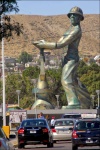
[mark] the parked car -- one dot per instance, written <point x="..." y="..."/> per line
<point x="35" y="131"/>
<point x="61" y="130"/>
<point x="72" y="115"/>
<point x="86" y="132"/>
<point x="5" y="143"/>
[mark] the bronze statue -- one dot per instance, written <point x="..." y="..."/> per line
<point x="76" y="93"/>
<point x="43" y="91"/>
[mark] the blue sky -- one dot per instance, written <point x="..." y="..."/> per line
<point x="57" y="7"/>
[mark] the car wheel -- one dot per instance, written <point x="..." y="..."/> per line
<point x="20" y="145"/>
<point x="74" y="147"/>
<point x="50" y="144"/>
<point x="54" y="141"/>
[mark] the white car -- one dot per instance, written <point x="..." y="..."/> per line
<point x="62" y="129"/>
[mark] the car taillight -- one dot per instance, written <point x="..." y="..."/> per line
<point x="53" y="130"/>
<point x="45" y="130"/>
<point x="74" y="134"/>
<point x="0" y="144"/>
<point x="20" y="131"/>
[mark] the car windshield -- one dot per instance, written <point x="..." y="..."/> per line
<point x="64" y="123"/>
<point x="84" y="125"/>
<point x="33" y="123"/>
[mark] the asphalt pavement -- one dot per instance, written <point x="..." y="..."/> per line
<point x="14" y="141"/>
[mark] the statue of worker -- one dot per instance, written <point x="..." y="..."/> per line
<point x="76" y="93"/>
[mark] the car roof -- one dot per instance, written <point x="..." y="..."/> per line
<point x="34" y="119"/>
<point x="60" y="119"/>
<point x="88" y="119"/>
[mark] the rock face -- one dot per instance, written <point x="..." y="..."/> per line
<point x="51" y="28"/>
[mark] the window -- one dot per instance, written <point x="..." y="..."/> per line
<point x="58" y="123"/>
<point x="33" y="123"/>
<point x="84" y="125"/>
<point x="69" y="123"/>
<point x="81" y="125"/>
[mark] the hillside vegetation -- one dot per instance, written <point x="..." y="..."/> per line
<point x="51" y="28"/>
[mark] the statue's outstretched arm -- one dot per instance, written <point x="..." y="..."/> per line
<point x="63" y="41"/>
<point x="44" y="44"/>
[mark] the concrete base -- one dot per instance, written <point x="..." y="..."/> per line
<point x="71" y="107"/>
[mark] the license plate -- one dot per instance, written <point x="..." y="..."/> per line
<point x="89" y="141"/>
<point x="63" y="132"/>
<point x="32" y="131"/>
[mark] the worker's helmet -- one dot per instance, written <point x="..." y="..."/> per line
<point x="76" y="10"/>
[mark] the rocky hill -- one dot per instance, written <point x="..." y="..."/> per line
<point x="51" y="28"/>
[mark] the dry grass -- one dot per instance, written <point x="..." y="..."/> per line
<point x="51" y="28"/>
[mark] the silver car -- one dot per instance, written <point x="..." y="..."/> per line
<point x="5" y="143"/>
<point x="62" y="129"/>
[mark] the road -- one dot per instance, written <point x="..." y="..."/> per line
<point x="62" y="145"/>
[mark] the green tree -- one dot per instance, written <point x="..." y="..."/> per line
<point x="13" y="83"/>
<point x="7" y="28"/>
<point x="25" y="57"/>
<point x="54" y="81"/>
<point x="17" y="82"/>
<point x="31" y="72"/>
<point x="90" y="77"/>
<point x="82" y="68"/>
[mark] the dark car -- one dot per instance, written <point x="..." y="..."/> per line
<point x="86" y="132"/>
<point x="34" y="131"/>
<point x="72" y="115"/>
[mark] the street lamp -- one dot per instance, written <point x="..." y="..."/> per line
<point x="57" y="96"/>
<point x="98" y="109"/>
<point x="18" y="92"/>
<point x="34" y="81"/>
<point x="93" y="96"/>
<point x="98" y="93"/>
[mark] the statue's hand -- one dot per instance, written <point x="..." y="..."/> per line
<point x="39" y="44"/>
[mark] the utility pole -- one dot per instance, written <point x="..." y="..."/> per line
<point x="3" y="68"/>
